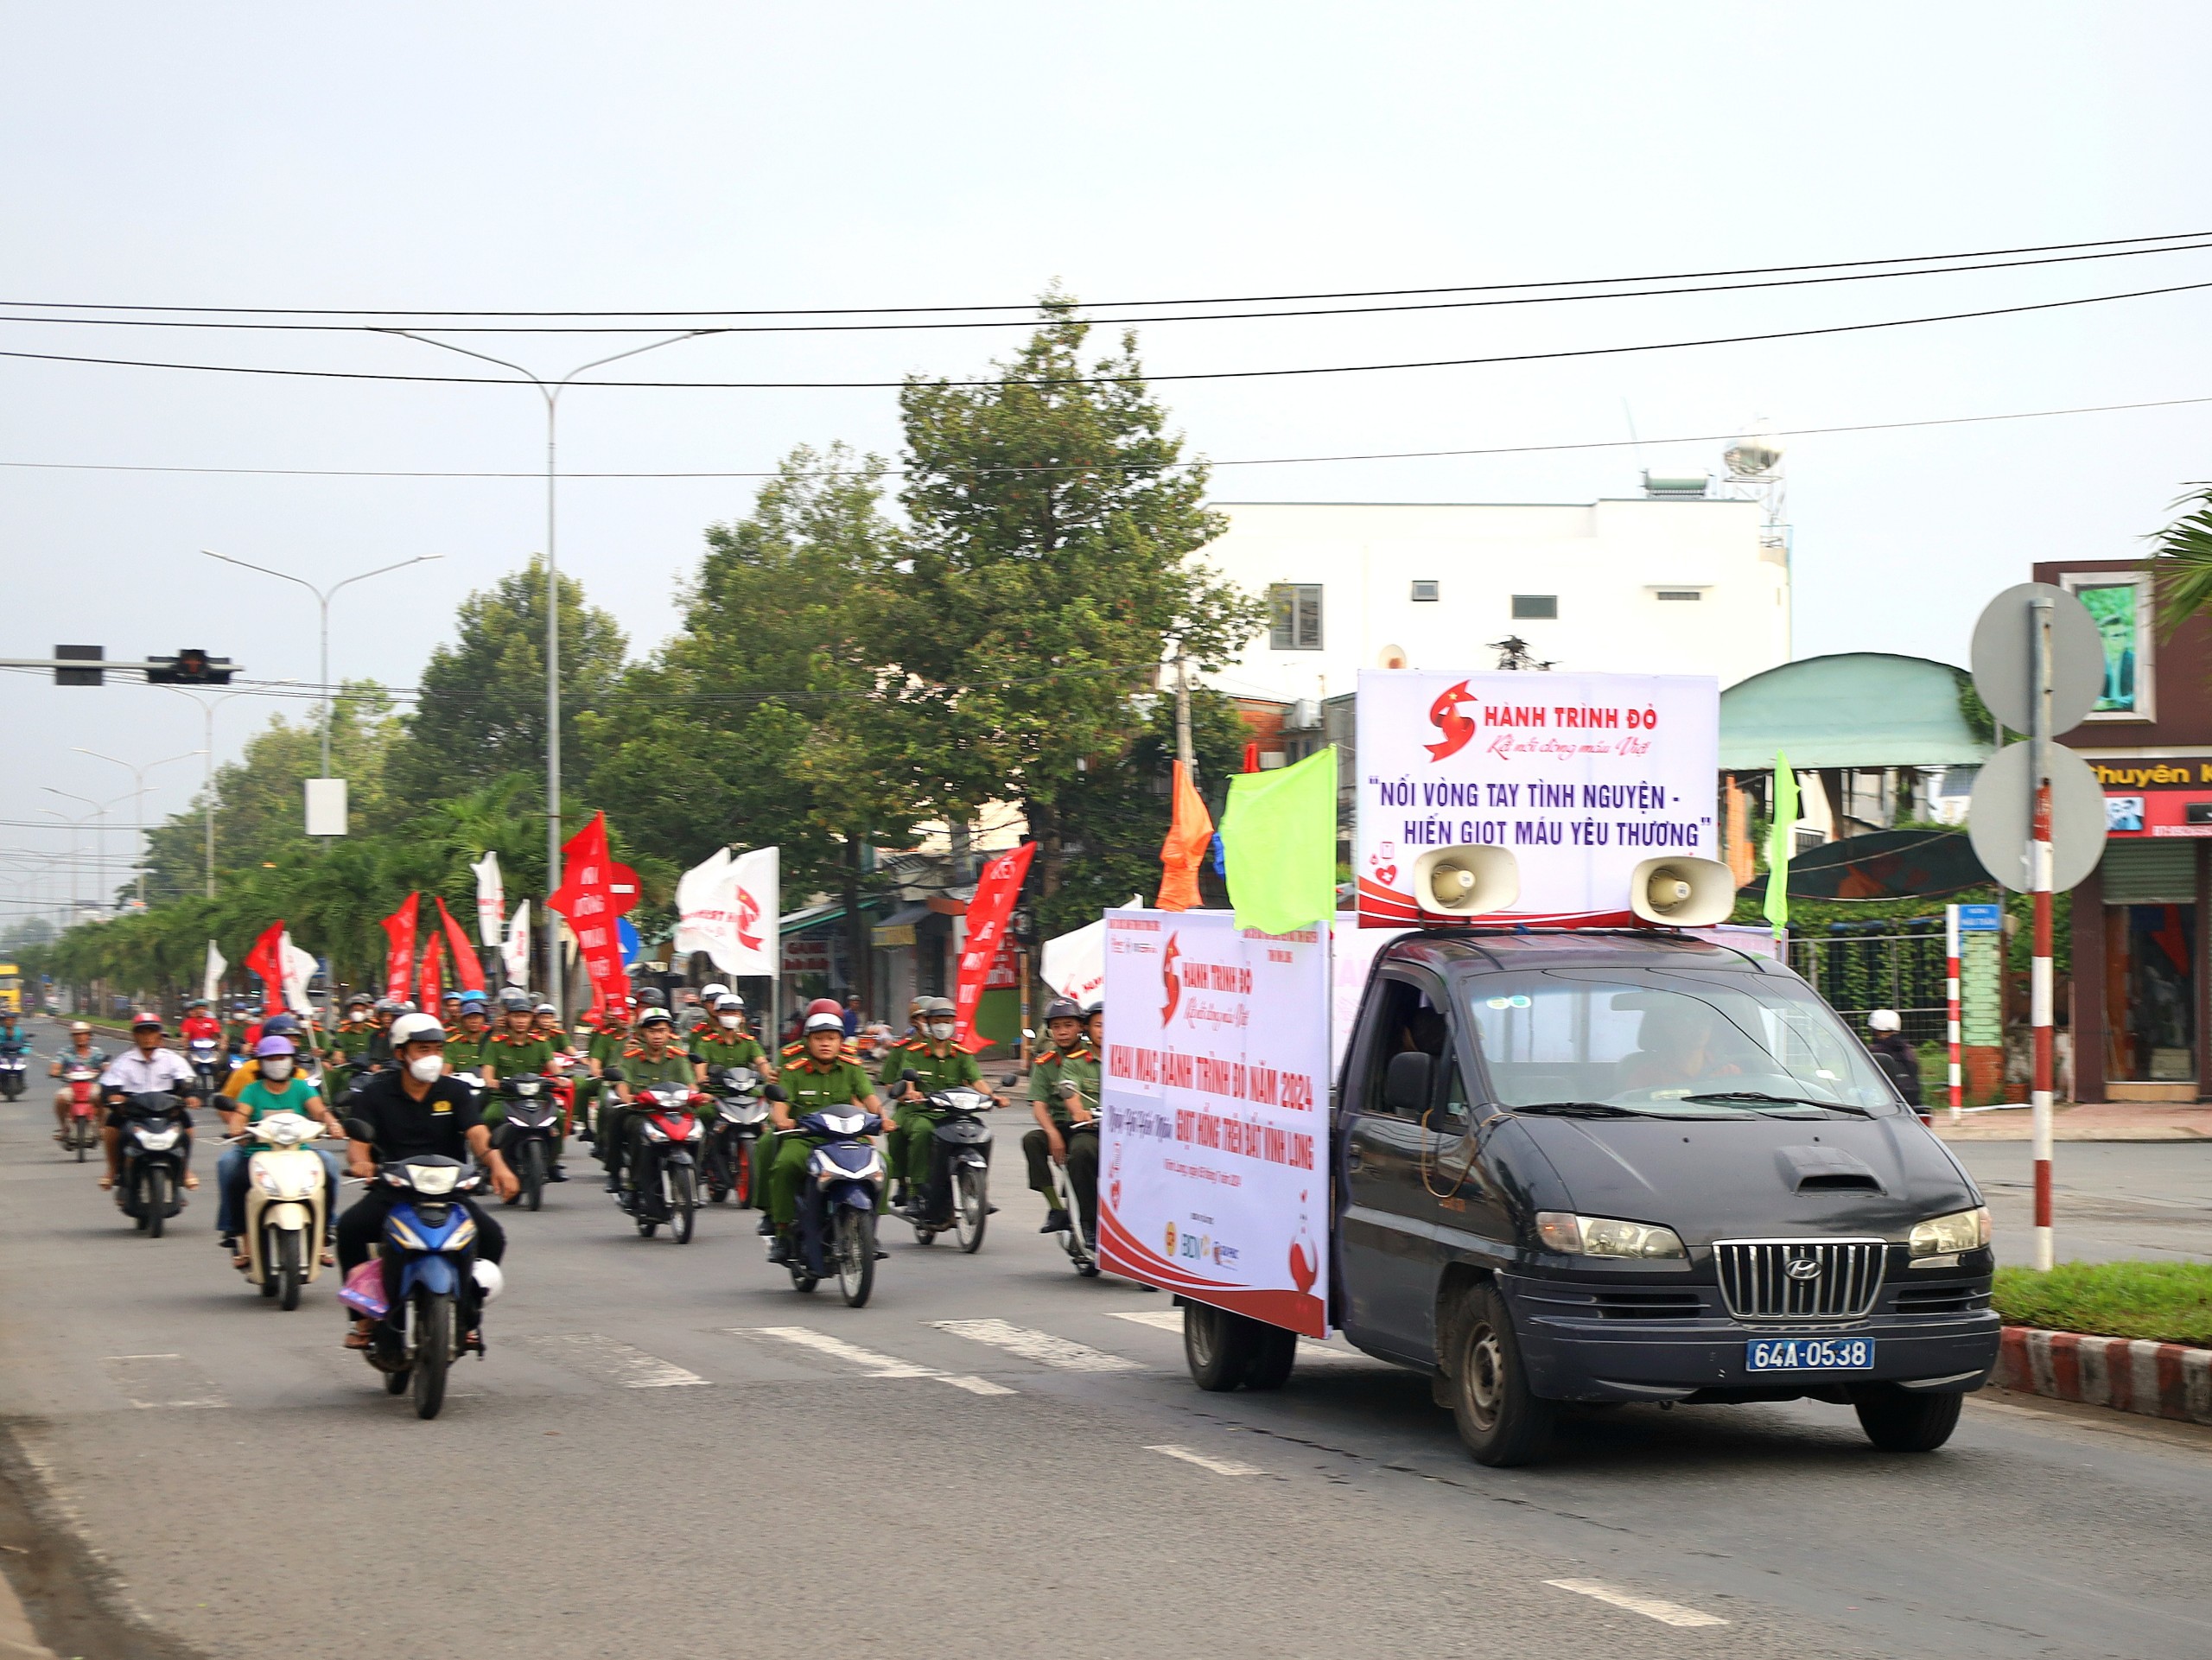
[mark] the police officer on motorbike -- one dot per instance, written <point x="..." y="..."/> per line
<point x="916" y="1069"/>
<point x="1070" y="1061"/>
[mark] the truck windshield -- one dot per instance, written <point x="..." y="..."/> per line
<point x="1671" y="1042"/>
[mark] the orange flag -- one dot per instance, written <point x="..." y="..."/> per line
<point x="1188" y="834"/>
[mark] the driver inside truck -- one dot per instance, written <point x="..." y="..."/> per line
<point x="1679" y="1043"/>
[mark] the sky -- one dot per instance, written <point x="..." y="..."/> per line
<point x="729" y="156"/>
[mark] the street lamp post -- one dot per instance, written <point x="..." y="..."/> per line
<point x="138" y="808"/>
<point x="322" y="599"/>
<point x="550" y="391"/>
<point x="206" y="706"/>
<point x="98" y="814"/>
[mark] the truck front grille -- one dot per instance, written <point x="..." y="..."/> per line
<point x="1799" y="1279"/>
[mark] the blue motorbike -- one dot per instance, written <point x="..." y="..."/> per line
<point x="837" y="1203"/>
<point x="425" y="1289"/>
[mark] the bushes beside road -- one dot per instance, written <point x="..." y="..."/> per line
<point x="2159" y="1302"/>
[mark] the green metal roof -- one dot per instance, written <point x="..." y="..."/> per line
<point x="1855" y="708"/>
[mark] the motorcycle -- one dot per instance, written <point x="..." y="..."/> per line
<point x="11" y="1074"/>
<point x="956" y="1196"/>
<point x="205" y="1055"/>
<point x="425" y="1289"/>
<point x="533" y="1115"/>
<point x="1080" y="1242"/>
<point x="151" y="1189"/>
<point x="82" y="1132"/>
<point x="836" y="1207"/>
<point x="729" y="1161"/>
<point x="287" y="1204"/>
<point x="667" y="1173"/>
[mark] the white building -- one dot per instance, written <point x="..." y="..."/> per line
<point x="1668" y="584"/>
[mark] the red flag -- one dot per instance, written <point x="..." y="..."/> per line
<point x="399" y="959"/>
<point x="267" y="960"/>
<point x="988" y="912"/>
<point x="1251" y="757"/>
<point x="1189" y="834"/>
<point x="466" y="967"/>
<point x="594" y="892"/>
<point x="433" y="977"/>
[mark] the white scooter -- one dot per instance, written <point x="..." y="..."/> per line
<point x="287" y="1200"/>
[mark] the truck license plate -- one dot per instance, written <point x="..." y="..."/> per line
<point x="1809" y="1354"/>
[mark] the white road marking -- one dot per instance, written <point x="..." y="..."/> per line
<point x="1171" y="1320"/>
<point x="1041" y="1347"/>
<point x="1658" y="1608"/>
<point x="871" y="1362"/>
<point x="1219" y="1467"/>
<point x="162" y="1380"/>
<point x="613" y="1362"/>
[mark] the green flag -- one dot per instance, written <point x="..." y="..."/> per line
<point x="1781" y="835"/>
<point x="1279" y="843"/>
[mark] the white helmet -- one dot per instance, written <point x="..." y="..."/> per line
<point x="824" y="1023"/>
<point x="416" y="1029"/>
<point x="709" y="993"/>
<point x="489" y="1280"/>
<point x="1883" y="1020"/>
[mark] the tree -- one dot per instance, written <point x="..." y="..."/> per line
<point x="1054" y="522"/>
<point x="260" y="807"/>
<point x="480" y="714"/>
<point x="2183" y="555"/>
<point x="768" y="718"/>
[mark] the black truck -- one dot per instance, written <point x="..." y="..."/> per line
<point x="1634" y="1166"/>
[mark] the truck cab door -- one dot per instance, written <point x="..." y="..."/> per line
<point x="1389" y="1255"/>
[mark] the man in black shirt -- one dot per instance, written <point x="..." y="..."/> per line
<point x="414" y="1108"/>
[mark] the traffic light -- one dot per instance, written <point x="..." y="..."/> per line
<point x="189" y="667"/>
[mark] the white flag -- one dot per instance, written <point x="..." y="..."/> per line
<point x="1075" y="964"/>
<point x="728" y="908"/>
<point x="514" y="956"/>
<point x="211" y="983"/>
<point x="491" y="898"/>
<point x="299" y="967"/>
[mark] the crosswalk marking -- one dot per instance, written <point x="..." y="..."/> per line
<point x="1658" y="1608"/>
<point x="613" y="1362"/>
<point x="871" y="1362"/>
<point x="162" y="1380"/>
<point x="1219" y="1467"/>
<point x="1041" y="1347"/>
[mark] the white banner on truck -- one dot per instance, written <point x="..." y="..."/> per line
<point x="1213" y="1177"/>
<point x="1582" y="776"/>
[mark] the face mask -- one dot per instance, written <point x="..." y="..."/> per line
<point x="940" y="1031"/>
<point x="427" y="1069"/>
<point x="277" y="1067"/>
<point x="728" y="1023"/>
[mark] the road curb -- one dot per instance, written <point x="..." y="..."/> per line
<point x="2156" y="1380"/>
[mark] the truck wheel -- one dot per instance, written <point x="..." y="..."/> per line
<point x="1274" y="1351"/>
<point x="1500" y="1420"/>
<point x="1218" y="1346"/>
<point x="1897" y="1420"/>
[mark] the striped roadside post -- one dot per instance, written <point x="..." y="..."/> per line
<point x="1951" y="997"/>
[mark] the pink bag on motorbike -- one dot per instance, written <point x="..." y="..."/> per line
<point x="363" y="1291"/>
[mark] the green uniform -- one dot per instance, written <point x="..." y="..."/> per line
<point x="810" y="1085"/>
<point x="510" y="1056"/>
<point x="914" y="1060"/>
<point x="639" y="1070"/>
<point x="605" y="1047"/>
<point x="728" y="1049"/>
<point x="349" y="1042"/>
<point x="468" y="1054"/>
<point x="1079" y="1066"/>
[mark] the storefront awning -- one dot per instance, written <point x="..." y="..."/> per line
<point x="1886" y="865"/>
<point x="897" y="928"/>
<point x="1855" y="708"/>
<point x="820" y="916"/>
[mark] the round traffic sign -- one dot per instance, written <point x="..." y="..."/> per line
<point x="2004" y="660"/>
<point x="2001" y="813"/>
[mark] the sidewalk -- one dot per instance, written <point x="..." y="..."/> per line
<point x="2094" y="1121"/>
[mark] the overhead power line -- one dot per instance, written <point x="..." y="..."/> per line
<point x="1031" y="305"/>
<point x="1112" y="380"/>
<point x="1102" y="467"/>
<point x="1033" y="321"/>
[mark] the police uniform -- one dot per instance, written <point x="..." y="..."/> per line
<point x="349" y="1042"/>
<point x="718" y="1049"/>
<point x="917" y="1059"/>
<point x="809" y="1085"/>
<point x="1079" y="1066"/>
<point x="615" y="1120"/>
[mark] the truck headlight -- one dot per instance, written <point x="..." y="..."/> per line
<point x="1605" y="1236"/>
<point x="1960" y="1230"/>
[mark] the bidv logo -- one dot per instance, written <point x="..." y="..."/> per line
<point x="1170" y="981"/>
<point x="1458" y="729"/>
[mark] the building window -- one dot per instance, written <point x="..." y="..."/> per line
<point x="1294" y="616"/>
<point x="1680" y="593"/>
<point x="1425" y="592"/>
<point x="1535" y="607"/>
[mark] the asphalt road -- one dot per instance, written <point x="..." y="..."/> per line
<point x="669" y="1453"/>
<point x="2108" y="1200"/>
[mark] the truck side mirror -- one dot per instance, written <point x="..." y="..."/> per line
<point x="1406" y="1084"/>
